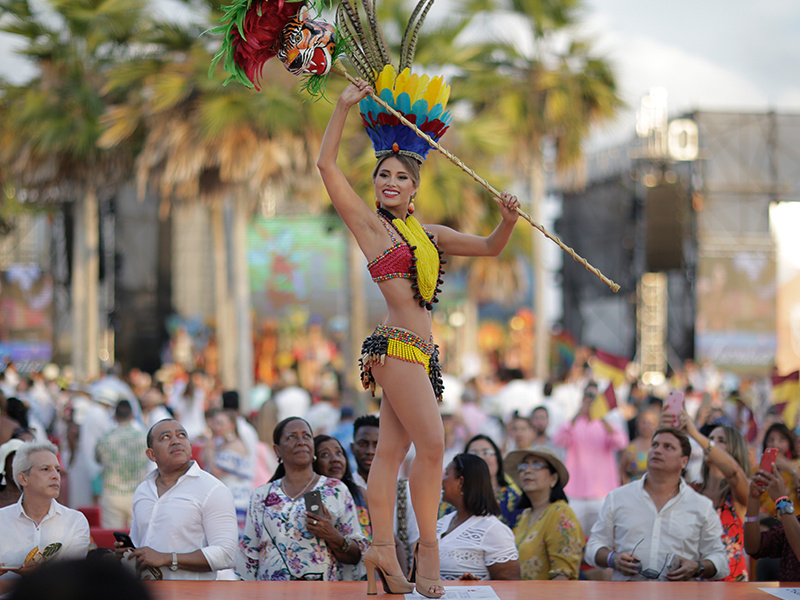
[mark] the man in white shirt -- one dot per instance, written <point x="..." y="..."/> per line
<point x="37" y="520"/>
<point x="658" y="527"/>
<point x="184" y="521"/>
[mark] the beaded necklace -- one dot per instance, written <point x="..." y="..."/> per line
<point x="426" y="265"/>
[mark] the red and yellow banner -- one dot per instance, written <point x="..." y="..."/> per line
<point x="604" y="403"/>
<point x="609" y="367"/>
<point x="786" y="396"/>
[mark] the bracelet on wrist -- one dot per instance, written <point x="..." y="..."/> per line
<point x="610" y="559"/>
<point x="753" y="519"/>
<point x="781" y="498"/>
<point x="345" y="545"/>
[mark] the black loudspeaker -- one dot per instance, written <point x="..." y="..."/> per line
<point x="665" y="215"/>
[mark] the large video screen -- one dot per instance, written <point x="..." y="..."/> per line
<point x="26" y="314"/>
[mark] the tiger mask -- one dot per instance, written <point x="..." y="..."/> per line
<point x="307" y="46"/>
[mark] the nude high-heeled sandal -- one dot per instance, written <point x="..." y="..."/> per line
<point x="424" y="584"/>
<point x="392" y="584"/>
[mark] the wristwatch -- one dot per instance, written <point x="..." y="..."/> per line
<point x="711" y="444"/>
<point x="174" y="565"/>
<point x="701" y="569"/>
<point x="785" y="507"/>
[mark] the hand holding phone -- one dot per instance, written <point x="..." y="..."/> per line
<point x="768" y="459"/>
<point x="314" y="502"/>
<point x="123" y="537"/>
<point x="673" y="405"/>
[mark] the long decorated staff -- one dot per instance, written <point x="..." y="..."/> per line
<point x="256" y="30"/>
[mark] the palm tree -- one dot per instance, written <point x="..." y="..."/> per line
<point x="554" y="95"/>
<point x="50" y="126"/>
<point x="222" y="146"/>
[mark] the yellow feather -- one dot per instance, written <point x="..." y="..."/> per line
<point x="400" y="82"/>
<point x="409" y="84"/>
<point x="432" y="92"/>
<point x="420" y="89"/>
<point x="385" y="79"/>
<point x="444" y="95"/>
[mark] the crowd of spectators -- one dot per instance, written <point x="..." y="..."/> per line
<point x="539" y="483"/>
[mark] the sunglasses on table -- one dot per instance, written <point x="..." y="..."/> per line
<point x="535" y="465"/>
<point x="652" y="573"/>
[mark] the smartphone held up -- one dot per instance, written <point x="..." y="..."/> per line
<point x="768" y="459"/>
<point x="673" y="405"/>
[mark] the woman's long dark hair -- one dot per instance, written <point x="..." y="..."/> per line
<point x="479" y="496"/>
<point x="347" y="478"/>
<point x="556" y="492"/>
<point x="501" y="478"/>
<point x="785" y="432"/>
<point x="277" y="433"/>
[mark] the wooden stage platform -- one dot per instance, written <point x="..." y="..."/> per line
<point x="505" y="590"/>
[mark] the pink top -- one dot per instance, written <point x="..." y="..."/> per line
<point x="591" y="457"/>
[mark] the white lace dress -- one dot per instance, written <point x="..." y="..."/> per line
<point x="474" y="545"/>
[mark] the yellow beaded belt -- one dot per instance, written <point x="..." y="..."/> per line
<point x="401" y="344"/>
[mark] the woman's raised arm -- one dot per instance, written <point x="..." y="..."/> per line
<point x="456" y="243"/>
<point x="348" y="204"/>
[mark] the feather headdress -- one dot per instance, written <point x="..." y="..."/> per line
<point x="420" y="99"/>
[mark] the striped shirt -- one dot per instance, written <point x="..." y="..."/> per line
<point x="122" y="454"/>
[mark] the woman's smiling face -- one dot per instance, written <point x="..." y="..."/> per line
<point x="331" y="459"/>
<point x="394" y="186"/>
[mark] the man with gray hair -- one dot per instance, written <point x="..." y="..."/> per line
<point x="37" y="528"/>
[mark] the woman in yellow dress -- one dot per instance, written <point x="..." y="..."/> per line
<point x="548" y="535"/>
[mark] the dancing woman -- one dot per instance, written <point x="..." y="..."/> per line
<point x="400" y="355"/>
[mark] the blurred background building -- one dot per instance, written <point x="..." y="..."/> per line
<point x="681" y="218"/>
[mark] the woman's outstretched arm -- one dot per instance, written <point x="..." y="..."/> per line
<point x="355" y="213"/>
<point x="462" y="244"/>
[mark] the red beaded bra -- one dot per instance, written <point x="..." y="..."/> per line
<point x="399" y="261"/>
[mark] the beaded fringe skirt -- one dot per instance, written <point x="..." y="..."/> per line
<point x="403" y="345"/>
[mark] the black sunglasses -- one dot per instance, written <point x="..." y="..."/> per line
<point x="652" y="573"/>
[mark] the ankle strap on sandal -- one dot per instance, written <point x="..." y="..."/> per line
<point x="428" y="544"/>
<point x="374" y="543"/>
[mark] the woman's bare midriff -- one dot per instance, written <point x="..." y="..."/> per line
<point x="403" y="310"/>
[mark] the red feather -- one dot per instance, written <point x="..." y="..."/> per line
<point x="261" y="36"/>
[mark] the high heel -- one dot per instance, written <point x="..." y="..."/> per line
<point x="424" y="584"/>
<point x="392" y="584"/>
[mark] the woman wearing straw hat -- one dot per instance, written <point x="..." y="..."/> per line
<point x="548" y="535"/>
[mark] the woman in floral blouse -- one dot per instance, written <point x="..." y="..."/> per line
<point x="281" y="540"/>
<point x="331" y="461"/>
<point x="548" y="535"/>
